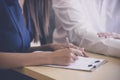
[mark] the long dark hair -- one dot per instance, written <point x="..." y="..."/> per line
<point x="33" y="7"/>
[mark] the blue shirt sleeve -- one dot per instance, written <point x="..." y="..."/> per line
<point x="14" y="34"/>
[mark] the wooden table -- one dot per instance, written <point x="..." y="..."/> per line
<point x="108" y="71"/>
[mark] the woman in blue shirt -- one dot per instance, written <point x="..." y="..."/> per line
<point x="19" y="25"/>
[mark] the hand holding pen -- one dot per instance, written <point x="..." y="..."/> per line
<point x="71" y="46"/>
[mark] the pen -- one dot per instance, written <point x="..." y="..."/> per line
<point x="68" y="43"/>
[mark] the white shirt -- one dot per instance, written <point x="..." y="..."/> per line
<point x="80" y="20"/>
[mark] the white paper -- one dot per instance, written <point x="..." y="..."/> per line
<point x="83" y="63"/>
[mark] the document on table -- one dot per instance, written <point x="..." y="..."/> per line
<point x="84" y="63"/>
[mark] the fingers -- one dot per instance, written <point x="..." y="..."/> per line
<point x="83" y="52"/>
<point x="73" y="58"/>
<point x="77" y="52"/>
<point x="109" y="35"/>
<point x="66" y="56"/>
<point x="105" y="34"/>
<point x="80" y="51"/>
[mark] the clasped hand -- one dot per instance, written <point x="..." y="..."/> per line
<point x="109" y="35"/>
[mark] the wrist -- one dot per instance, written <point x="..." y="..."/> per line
<point x="44" y="58"/>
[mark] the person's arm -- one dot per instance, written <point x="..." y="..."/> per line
<point x="12" y="60"/>
<point x="71" y="21"/>
<point x="71" y="18"/>
<point x="58" y="57"/>
<point x="93" y="43"/>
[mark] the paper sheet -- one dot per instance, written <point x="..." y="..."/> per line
<point x="83" y="63"/>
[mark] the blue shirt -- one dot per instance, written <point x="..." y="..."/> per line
<point x="15" y="35"/>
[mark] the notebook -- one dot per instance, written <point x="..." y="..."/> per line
<point x="84" y="63"/>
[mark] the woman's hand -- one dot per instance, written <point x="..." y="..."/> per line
<point x="60" y="54"/>
<point x="64" y="56"/>
<point x="54" y="47"/>
<point x="109" y="35"/>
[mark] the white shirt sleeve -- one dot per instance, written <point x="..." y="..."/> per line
<point x="91" y="42"/>
<point x="73" y="22"/>
<point x="68" y="16"/>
